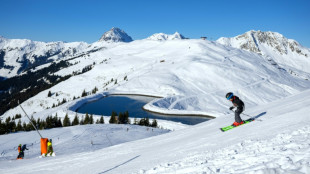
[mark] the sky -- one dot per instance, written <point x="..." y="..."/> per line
<point x="76" y="20"/>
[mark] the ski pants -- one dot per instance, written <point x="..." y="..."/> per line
<point x="237" y="114"/>
<point x="21" y="154"/>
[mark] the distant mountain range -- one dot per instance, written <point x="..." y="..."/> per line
<point x="19" y="55"/>
<point x="163" y="36"/>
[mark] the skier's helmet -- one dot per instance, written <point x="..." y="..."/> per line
<point x="19" y="145"/>
<point x="229" y="95"/>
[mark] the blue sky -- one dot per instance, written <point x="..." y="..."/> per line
<point x="74" y="20"/>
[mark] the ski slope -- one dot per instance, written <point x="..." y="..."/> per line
<point x="278" y="143"/>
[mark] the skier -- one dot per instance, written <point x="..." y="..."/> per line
<point x="49" y="148"/>
<point x="21" y="151"/>
<point x="240" y="107"/>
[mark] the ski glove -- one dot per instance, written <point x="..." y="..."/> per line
<point x="231" y="108"/>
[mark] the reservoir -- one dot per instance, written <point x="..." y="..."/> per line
<point x="133" y="104"/>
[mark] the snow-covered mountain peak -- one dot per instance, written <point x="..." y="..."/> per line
<point x="286" y="53"/>
<point x="163" y="36"/>
<point x="115" y="35"/>
<point x="255" y="41"/>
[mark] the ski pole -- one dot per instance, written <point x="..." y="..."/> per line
<point x="249" y="116"/>
<point x="252" y="117"/>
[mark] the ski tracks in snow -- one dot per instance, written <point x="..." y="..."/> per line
<point x="285" y="153"/>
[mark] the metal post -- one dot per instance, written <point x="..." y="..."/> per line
<point x="30" y="120"/>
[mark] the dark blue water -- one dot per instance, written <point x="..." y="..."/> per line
<point x="133" y="104"/>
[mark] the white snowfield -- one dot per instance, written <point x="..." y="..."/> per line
<point x="277" y="142"/>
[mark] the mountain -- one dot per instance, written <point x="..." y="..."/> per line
<point x="115" y="35"/>
<point x="285" y="53"/>
<point x="18" y="55"/>
<point x="163" y="36"/>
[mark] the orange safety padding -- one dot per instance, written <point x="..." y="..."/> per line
<point x="44" y="145"/>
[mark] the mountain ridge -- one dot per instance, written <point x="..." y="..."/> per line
<point x="287" y="53"/>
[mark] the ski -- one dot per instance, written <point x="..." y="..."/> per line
<point x="224" y="129"/>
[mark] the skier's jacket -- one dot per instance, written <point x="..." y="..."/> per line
<point x="237" y="103"/>
<point x="19" y="149"/>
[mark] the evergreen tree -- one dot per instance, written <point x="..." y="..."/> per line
<point x="18" y="116"/>
<point x="126" y="118"/>
<point x="2" y="128"/>
<point x="75" y="120"/>
<point x="84" y="93"/>
<point x="154" y="123"/>
<point x="38" y="123"/>
<point x="113" y="118"/>
<point x="120" y="118"/>
<point x="66" y="121"/>
<point x="91" y="119"/>
<point x="24" y="126"/>
<point x="147" y="121"/>
<point x="49" y="94"/>
<point x="19" y="126"/>
<point x="142" y="122"/>
<point x="87" y="119"/>
<point x="97" y="121"/>
<point x="59" y="123"/>
<point x="64" y="101"/>
<point x="94" y="90"/>
<point x="29" y="127"/>
<point x="101" y="121"/>
<point x="42" y="125"/>
<point x="48" y="121"/>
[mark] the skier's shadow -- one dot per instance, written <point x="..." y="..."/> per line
<point x="259" y="115"/>
<point x="120" y="164"/>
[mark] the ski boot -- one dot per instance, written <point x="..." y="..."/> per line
<point x="235" y="124"/>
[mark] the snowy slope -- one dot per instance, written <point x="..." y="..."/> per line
<point x="278" y="50"/>
<point x="17" y="55"/>
<point x="278" y="143"/>
<point x="85" y="138"/>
